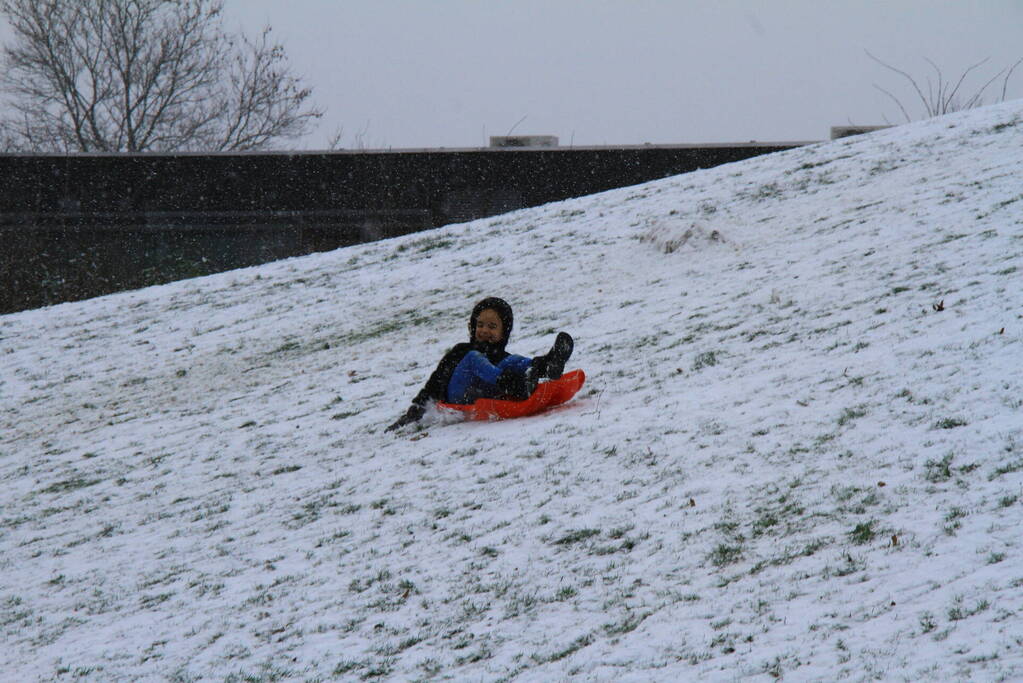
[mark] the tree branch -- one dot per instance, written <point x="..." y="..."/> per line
<point x="943" y="96"/>
<point x="135" y="75"/>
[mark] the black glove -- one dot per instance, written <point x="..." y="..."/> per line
<point x="413" y="414"/>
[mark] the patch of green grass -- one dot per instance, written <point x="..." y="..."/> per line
<point x="725" y="554"/>
<point x="936" y="471"/>
<point x="1008" y="468"/>
<point x="421" y="246"/>
<point x="1006" y="501"/>
<point x="813" y="546"/>
<point x="958" y="612"/>
<point x="728" y="527"/>
<point x="952" y="523"/>
<point x="863" y="533"/>
<point x="474" y="657"/>
<point x="765" y="191"/>
<point x="336" y="536"/>
<point x="12" y="612"/>
<point x="953" y="237"/>
<point x="823" y="439"/>
<point x="70" y="485"/>
<point x="312" y="509"/>
<point x="706" y="359"/>
<point x="927" y="622"/>
<point x="576" y="536"/>
<point x="627" y="625"/>
<point x="850" y="566"/>
<point x="1005" y="125"/>
<point x="770" y="517"/>
<point x="149" y="601"/>
<point x="402" y="320"/>
<point x="573" y="647"/>
<point x="950" y="423"/>
<point x="379" y="670"/>
<point x="763" y="523"/>
<point x="399" y="647"/>
<point x="434" y="244"/>
<point x="565" y="593"/>
<point x="287" y="346"/>
<point x="850" y="414"/>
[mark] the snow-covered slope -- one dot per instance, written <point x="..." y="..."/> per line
<point x="799" y="452"/>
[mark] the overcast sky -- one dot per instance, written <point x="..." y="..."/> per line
<point x="451" y="73"/>
<point x="432" y="73"/>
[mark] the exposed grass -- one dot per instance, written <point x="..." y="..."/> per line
<point x="939" y="470"/>
<point x="1008" y="468"/>
<point x="864" y="532"/>
<point x="707" y="359"/>
<point x="68" y="485"/>
<point x="724" y="554"/>
<point x="576" y="536"/>
<point x="850" y="414"/>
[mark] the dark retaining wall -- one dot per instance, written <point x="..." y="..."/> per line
<point x="77" y="226"/>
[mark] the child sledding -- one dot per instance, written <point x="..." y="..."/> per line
<point x="483" y="380"/>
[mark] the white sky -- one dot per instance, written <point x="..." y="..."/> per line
<point x="450" y="73"/>
<point x="413" y="73"/>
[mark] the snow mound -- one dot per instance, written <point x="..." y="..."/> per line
<point x="672" y="236"/>
<point x="798" y="455"/>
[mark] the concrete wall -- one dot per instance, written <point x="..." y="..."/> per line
<point x="82" y="225"/>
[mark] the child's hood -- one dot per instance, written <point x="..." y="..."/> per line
<point x="504" y="312"/>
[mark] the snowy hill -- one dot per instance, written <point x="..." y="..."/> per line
<point x="799" y="453"/>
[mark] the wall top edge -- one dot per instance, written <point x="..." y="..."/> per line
<point x="417" y="150"/>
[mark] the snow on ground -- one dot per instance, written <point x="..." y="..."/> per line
<point x="799" y="453"/>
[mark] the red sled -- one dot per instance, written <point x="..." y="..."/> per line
<point x="547" y="394"/>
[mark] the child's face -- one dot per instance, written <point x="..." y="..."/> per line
<point x="489" y="327"/>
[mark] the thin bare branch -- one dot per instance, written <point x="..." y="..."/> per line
<point x="1005" y="83"/>
<point x="905" y="75"/>
<point x="948" y="105"/>
<point x="944" y="96"/>
<point x="896" y="101"/>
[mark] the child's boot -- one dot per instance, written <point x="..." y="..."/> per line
<point x="553" y="364"/>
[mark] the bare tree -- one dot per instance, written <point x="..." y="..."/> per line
<point x="137" y="75"/>
<point x="945" y="96"/>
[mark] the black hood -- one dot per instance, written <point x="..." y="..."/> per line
<point x="504" y="312"/>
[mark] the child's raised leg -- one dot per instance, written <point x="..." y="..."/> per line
<point x="476" y="377"/>
<point x="552" y="365"/>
